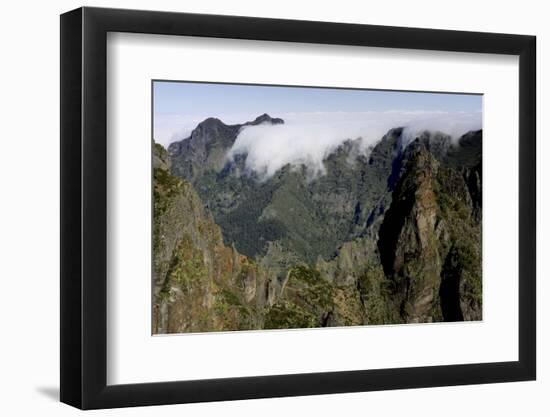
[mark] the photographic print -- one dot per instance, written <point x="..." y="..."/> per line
<point x="286" y="207"/>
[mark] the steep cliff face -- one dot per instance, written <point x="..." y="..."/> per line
<point x="358" y="275"/>
<point x="409" y="239"/>
<point x="459" y="199"/>
<point x="199" y="284"/>
<point x="430" y="242"/>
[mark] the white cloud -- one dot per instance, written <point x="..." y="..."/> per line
<point x="307" y="138"/>
<point x="172" y="127"/>
<point x="168" y="128"/>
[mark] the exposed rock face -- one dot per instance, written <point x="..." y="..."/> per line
<point x="387" y="235"/>
<point x="430" y="242"/>
<point x="409" y="239"/>
<point x="205" y="149"/>
<point x="199" y="284"/>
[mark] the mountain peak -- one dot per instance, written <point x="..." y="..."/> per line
<point x="211" y="122"/>
<point x="266" y="118"/>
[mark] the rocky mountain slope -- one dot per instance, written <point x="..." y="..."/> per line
<point x="198" y="283"/>
<point x="387" y="235"/>
<point x="308" y="217"/>
<point x="206" y="149"/>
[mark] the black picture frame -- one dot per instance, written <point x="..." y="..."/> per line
<point x="84" y="207"/>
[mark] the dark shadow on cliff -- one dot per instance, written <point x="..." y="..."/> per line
<point x="449" y="291"/>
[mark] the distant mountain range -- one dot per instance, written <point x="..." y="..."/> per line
<point x="391" y="234"/>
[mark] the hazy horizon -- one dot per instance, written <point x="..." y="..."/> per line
<point x="179" y="106"/>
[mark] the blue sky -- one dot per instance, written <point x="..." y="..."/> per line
<point x="179" y="106"/>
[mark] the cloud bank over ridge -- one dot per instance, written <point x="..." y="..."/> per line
<point x="308" y="138"/>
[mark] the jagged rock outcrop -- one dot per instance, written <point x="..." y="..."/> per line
<point x="409" y="239"/>
<point x="430" y="242"/>
<point x="199" y="284"/>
